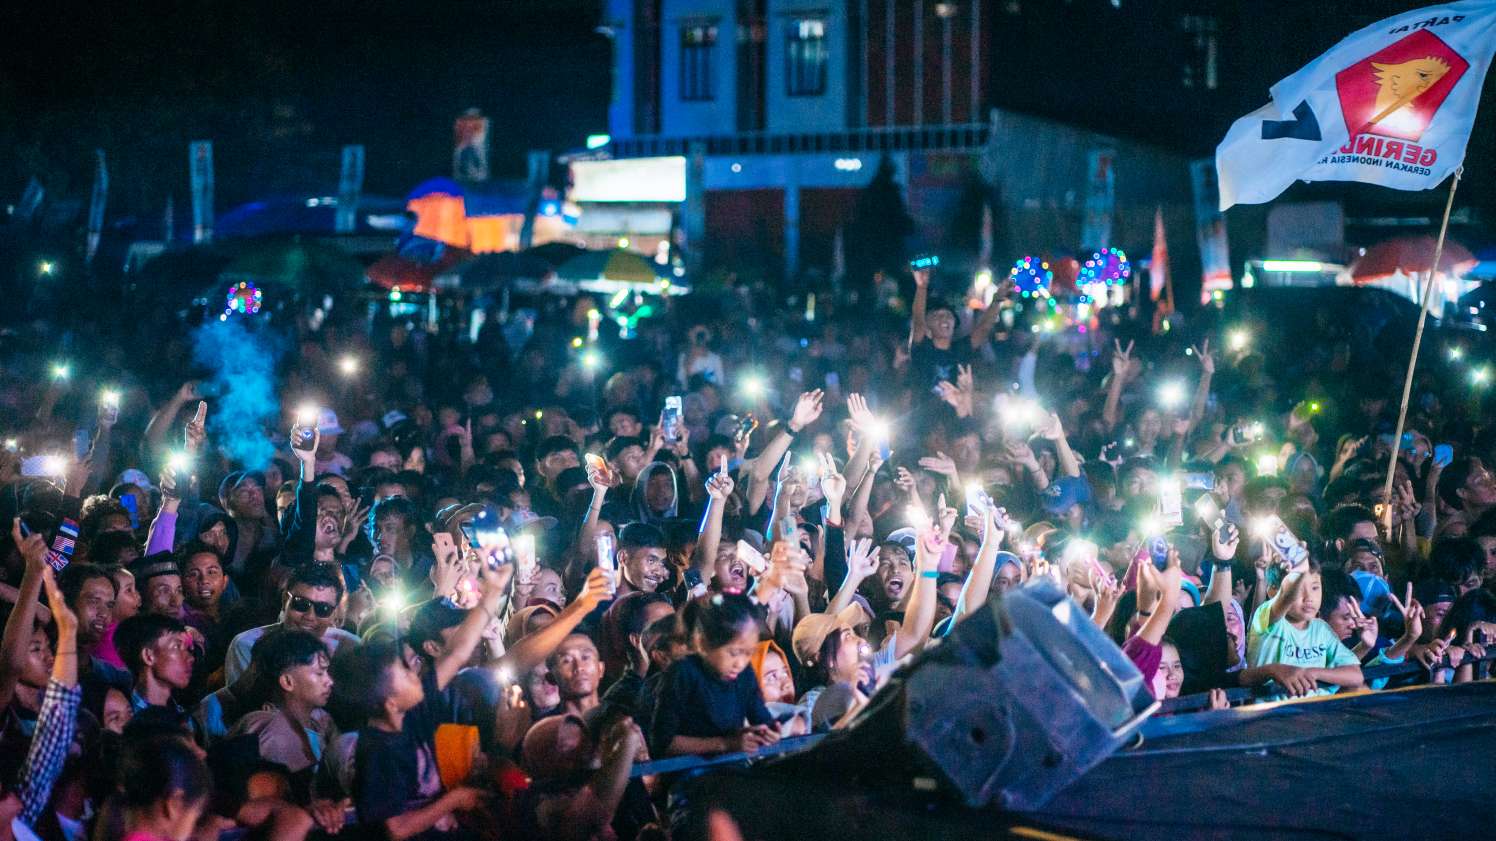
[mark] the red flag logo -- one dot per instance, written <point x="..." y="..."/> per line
<point x="1396" y="91"/>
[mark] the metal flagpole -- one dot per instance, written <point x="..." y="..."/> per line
<point x="1402" y="411"/>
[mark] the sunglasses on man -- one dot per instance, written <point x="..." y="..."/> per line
<point x="301" y="604"/>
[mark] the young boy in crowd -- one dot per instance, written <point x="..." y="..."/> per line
<point x="395" y="780"/>
<point x="158" y="652"/>
<point x="294" y="730"/>
<point x="1287" y="629"/>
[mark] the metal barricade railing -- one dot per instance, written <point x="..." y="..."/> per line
<point x="1238" y="696"/>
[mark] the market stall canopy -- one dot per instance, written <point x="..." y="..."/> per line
<point x="1410" y="256"/>
<point x="615" y="271"/>
<point x="409" y="274"/>
<point x="294" y="264"/>
<point x="488" y="271"/>
<point x="555" y="253"/>
<point x="479" y="218"/>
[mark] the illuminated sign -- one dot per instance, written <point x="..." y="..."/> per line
<point x="630" y="180"/>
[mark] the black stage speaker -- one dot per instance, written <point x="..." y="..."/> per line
<point x="1019" y="701"/>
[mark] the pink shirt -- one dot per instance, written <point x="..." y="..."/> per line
<point x="105" y="649"/>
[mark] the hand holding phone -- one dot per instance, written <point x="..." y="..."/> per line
<point x="1443" y="455"/>
<point x="304" y="433"/>
<point x="670" y="419"/>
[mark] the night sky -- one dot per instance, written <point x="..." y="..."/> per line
<point x="280" y="86"/>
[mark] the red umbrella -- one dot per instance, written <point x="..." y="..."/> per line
<point x="1410" y="255"/>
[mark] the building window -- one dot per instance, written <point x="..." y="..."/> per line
<point x="805" y="57"/>
<point x="697" y="43"/>
<point x="1199" y="69"/>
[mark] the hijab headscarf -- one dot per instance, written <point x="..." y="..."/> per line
<point x="1199" y="633"/>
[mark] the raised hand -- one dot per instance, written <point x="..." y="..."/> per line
<point x="169" y="484"/>
<point x="196" y="430"/>
<point x="1051" y="427"/>
<point x="946" y="517"/>
<point x="904" y="481"/>
<point x="958" y="399"/>
<point x="601" y="476"/>
<point x="833" y="483"/>
<point x="1366" y="626"/>
<point x="1223" y="541"/>
<point x="861" y="416"/>
<point x="807" y="410"/>
<point x="597" y="589"/>
<point x="62" y="614"/>
<point x="1206" y="358"/>
<point x="512" y="716"/>
<point x="1432" y="655"/>
<point x="33" y="547"/>
<point x="447" y="569"/>
<point x="940" y="463"/>
<point x="964" y="379"/>
<point x="1122" y="359"/>
<point x="1019" y="452"/>
<point x="862" y="559"/>
<point x="719" y="485"/>
<point x="1412" y="613"/>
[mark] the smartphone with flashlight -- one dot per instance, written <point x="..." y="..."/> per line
<point x="978" y="501"/>
<point x="746" y="425"/>
<point x="1170" y="502"/>
<point x="1199" y="481"/>
<point x="924" y="261"/>
<point x="109" y="408"/>
<point x="1246" y="433"/>
<point x="1155" y="550"/>
<point x="304" y="433"/>
<point x="670" y="420"/>
<point x="490" y="538"/>
<point x="605" y="545"/>
<point x="752" y="558"/>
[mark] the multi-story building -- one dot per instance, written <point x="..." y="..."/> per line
<point x="767" y="117"/>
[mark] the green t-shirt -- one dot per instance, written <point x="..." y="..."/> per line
<point x="1315" y="647"/>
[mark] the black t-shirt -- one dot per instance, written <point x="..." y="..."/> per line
<point x="929" y="365"/>
<point x="695" y="702"/>
<point x="396" y="772"/>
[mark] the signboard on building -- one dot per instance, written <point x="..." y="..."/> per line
<point x="660" y="179"/>
<point x="470" y="147"/>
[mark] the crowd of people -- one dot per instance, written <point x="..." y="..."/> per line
<point x="474" y="586"/>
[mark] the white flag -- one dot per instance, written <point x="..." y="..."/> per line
<point x="1393" y="104"/>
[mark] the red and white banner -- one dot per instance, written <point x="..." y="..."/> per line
<point x="1392" y="104"/>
